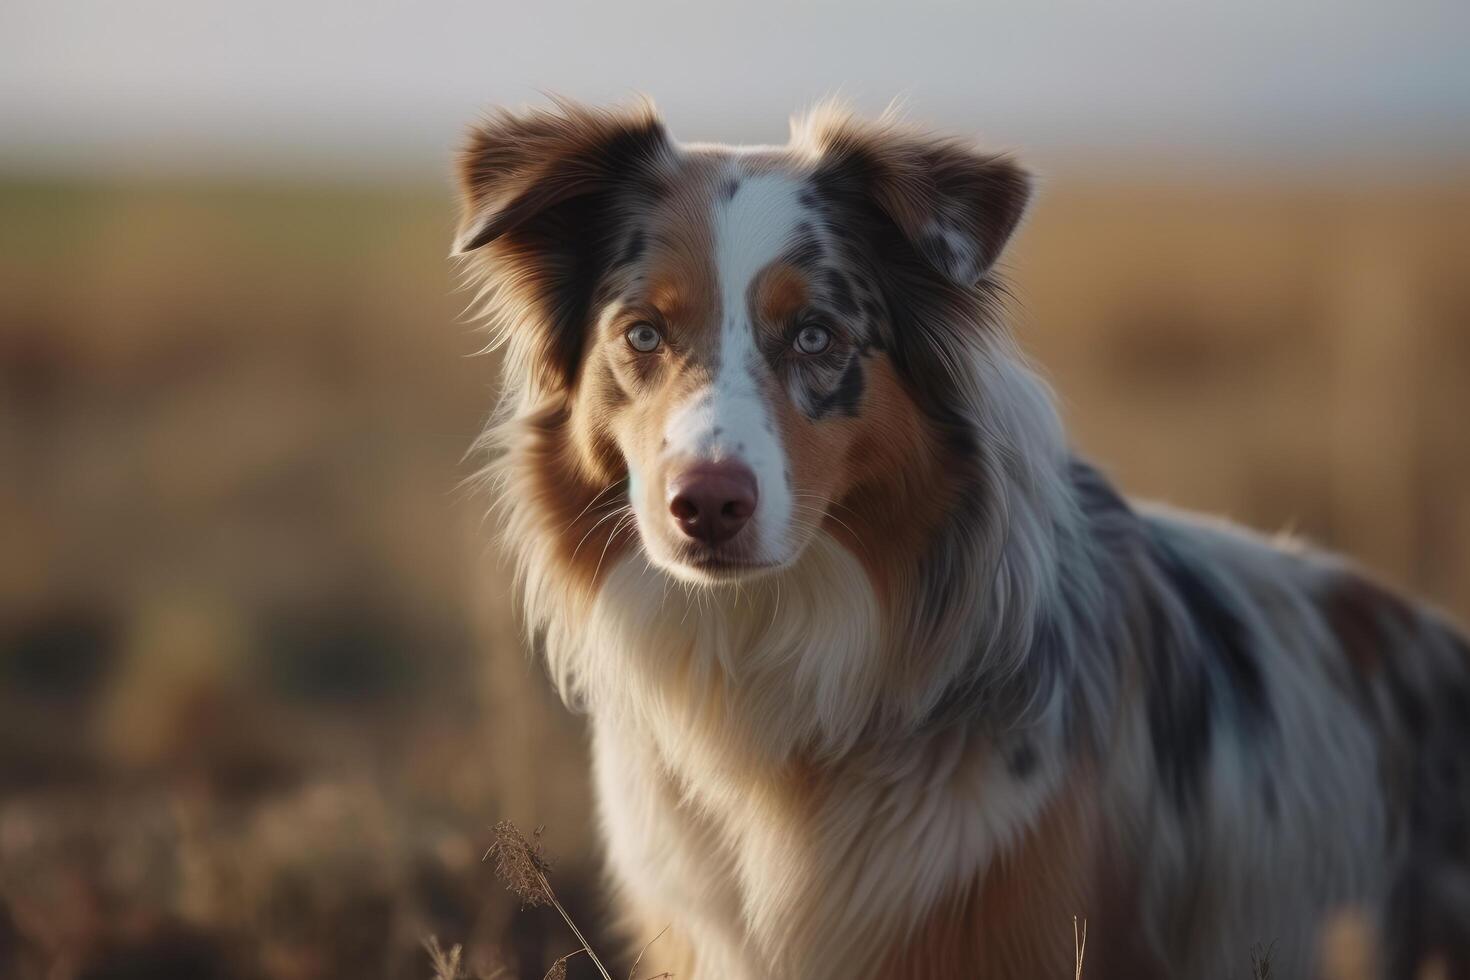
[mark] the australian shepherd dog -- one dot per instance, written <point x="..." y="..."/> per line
<point x="884" y="681"/>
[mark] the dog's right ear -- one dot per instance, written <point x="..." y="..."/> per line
<point x="544" y="194"/>
<point x="517" y="166"/>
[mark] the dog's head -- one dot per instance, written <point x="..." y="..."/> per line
<point x="746" y="346"/>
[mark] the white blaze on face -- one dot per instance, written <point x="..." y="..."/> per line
<point x="731" y="419"/>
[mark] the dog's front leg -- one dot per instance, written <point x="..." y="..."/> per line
<point x="667" y="864"/>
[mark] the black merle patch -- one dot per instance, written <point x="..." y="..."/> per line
<point x="563" y="266"/>
<point x="938" y="246"/>
<point x="633" y="248"/>
<point x="840" y="289"/>
<point x="1203" y="674"/>
<point x="1368" y="622"/>
<point x="806" y="251"/>
<point x="1179" y="725"/>
<point x="1094" y="494"/>
<point x="1021" y="761"/>
<point x="847" y="396"/>
<point x="1432" y="778"/>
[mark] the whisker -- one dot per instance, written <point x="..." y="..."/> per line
<point x="589" y="505"/>
<point x="618" y="528"/>
<point x="826" y="515"/>
<point x="600" y="521"/>
<point x="776" y="607"/>
<point x="826" y="501"/>
<point x="688" y="597"/>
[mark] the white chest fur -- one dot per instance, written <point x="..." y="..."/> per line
<point x="739" y="802"/>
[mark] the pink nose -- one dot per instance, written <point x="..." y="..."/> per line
<point x="713" y="501"/>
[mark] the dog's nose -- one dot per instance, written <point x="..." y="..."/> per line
<point x="713" y="501"/>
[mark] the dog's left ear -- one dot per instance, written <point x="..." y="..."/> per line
<point x="956" y="206"/>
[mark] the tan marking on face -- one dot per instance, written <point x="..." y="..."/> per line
<point x="781" y="292"/>
<point x="570" y="488"/>
<point x="816" y="455"/>
<point x="682" y="284"/>
<point x="878" y="475"/>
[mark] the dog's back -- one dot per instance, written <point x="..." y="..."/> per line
<point x="1307" y="730"/>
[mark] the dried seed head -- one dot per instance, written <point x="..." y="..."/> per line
<point x="445" y="962"/>
<point x="558" y="970"/>
<point x="521" y="865"/>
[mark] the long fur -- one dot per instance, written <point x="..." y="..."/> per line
<point x="889" y="759"/>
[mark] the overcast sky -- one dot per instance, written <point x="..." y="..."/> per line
<point x="373" y="88"/>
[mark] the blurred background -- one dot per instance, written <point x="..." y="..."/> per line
<point x="262" y="691"/>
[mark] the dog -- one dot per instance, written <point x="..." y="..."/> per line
<point x="884" y="680"/>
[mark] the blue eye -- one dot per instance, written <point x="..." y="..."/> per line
<point x="813" y="339"/>
<point x="643" y="338"/>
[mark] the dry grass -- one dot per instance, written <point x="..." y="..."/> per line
<point x="522" y="866"/>
<point x="1261" y="961"/>
<point x="448" y="964"/>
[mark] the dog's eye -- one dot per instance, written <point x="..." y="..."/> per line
<point x="813" y="339"/>
<point x="643" y="337"/>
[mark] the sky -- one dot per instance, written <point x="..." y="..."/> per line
<point x="366" y="87"/>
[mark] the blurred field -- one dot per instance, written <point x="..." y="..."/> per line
<point x="261" y="690"/>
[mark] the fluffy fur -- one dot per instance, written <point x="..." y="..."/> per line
<point x="948" y="689"/>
